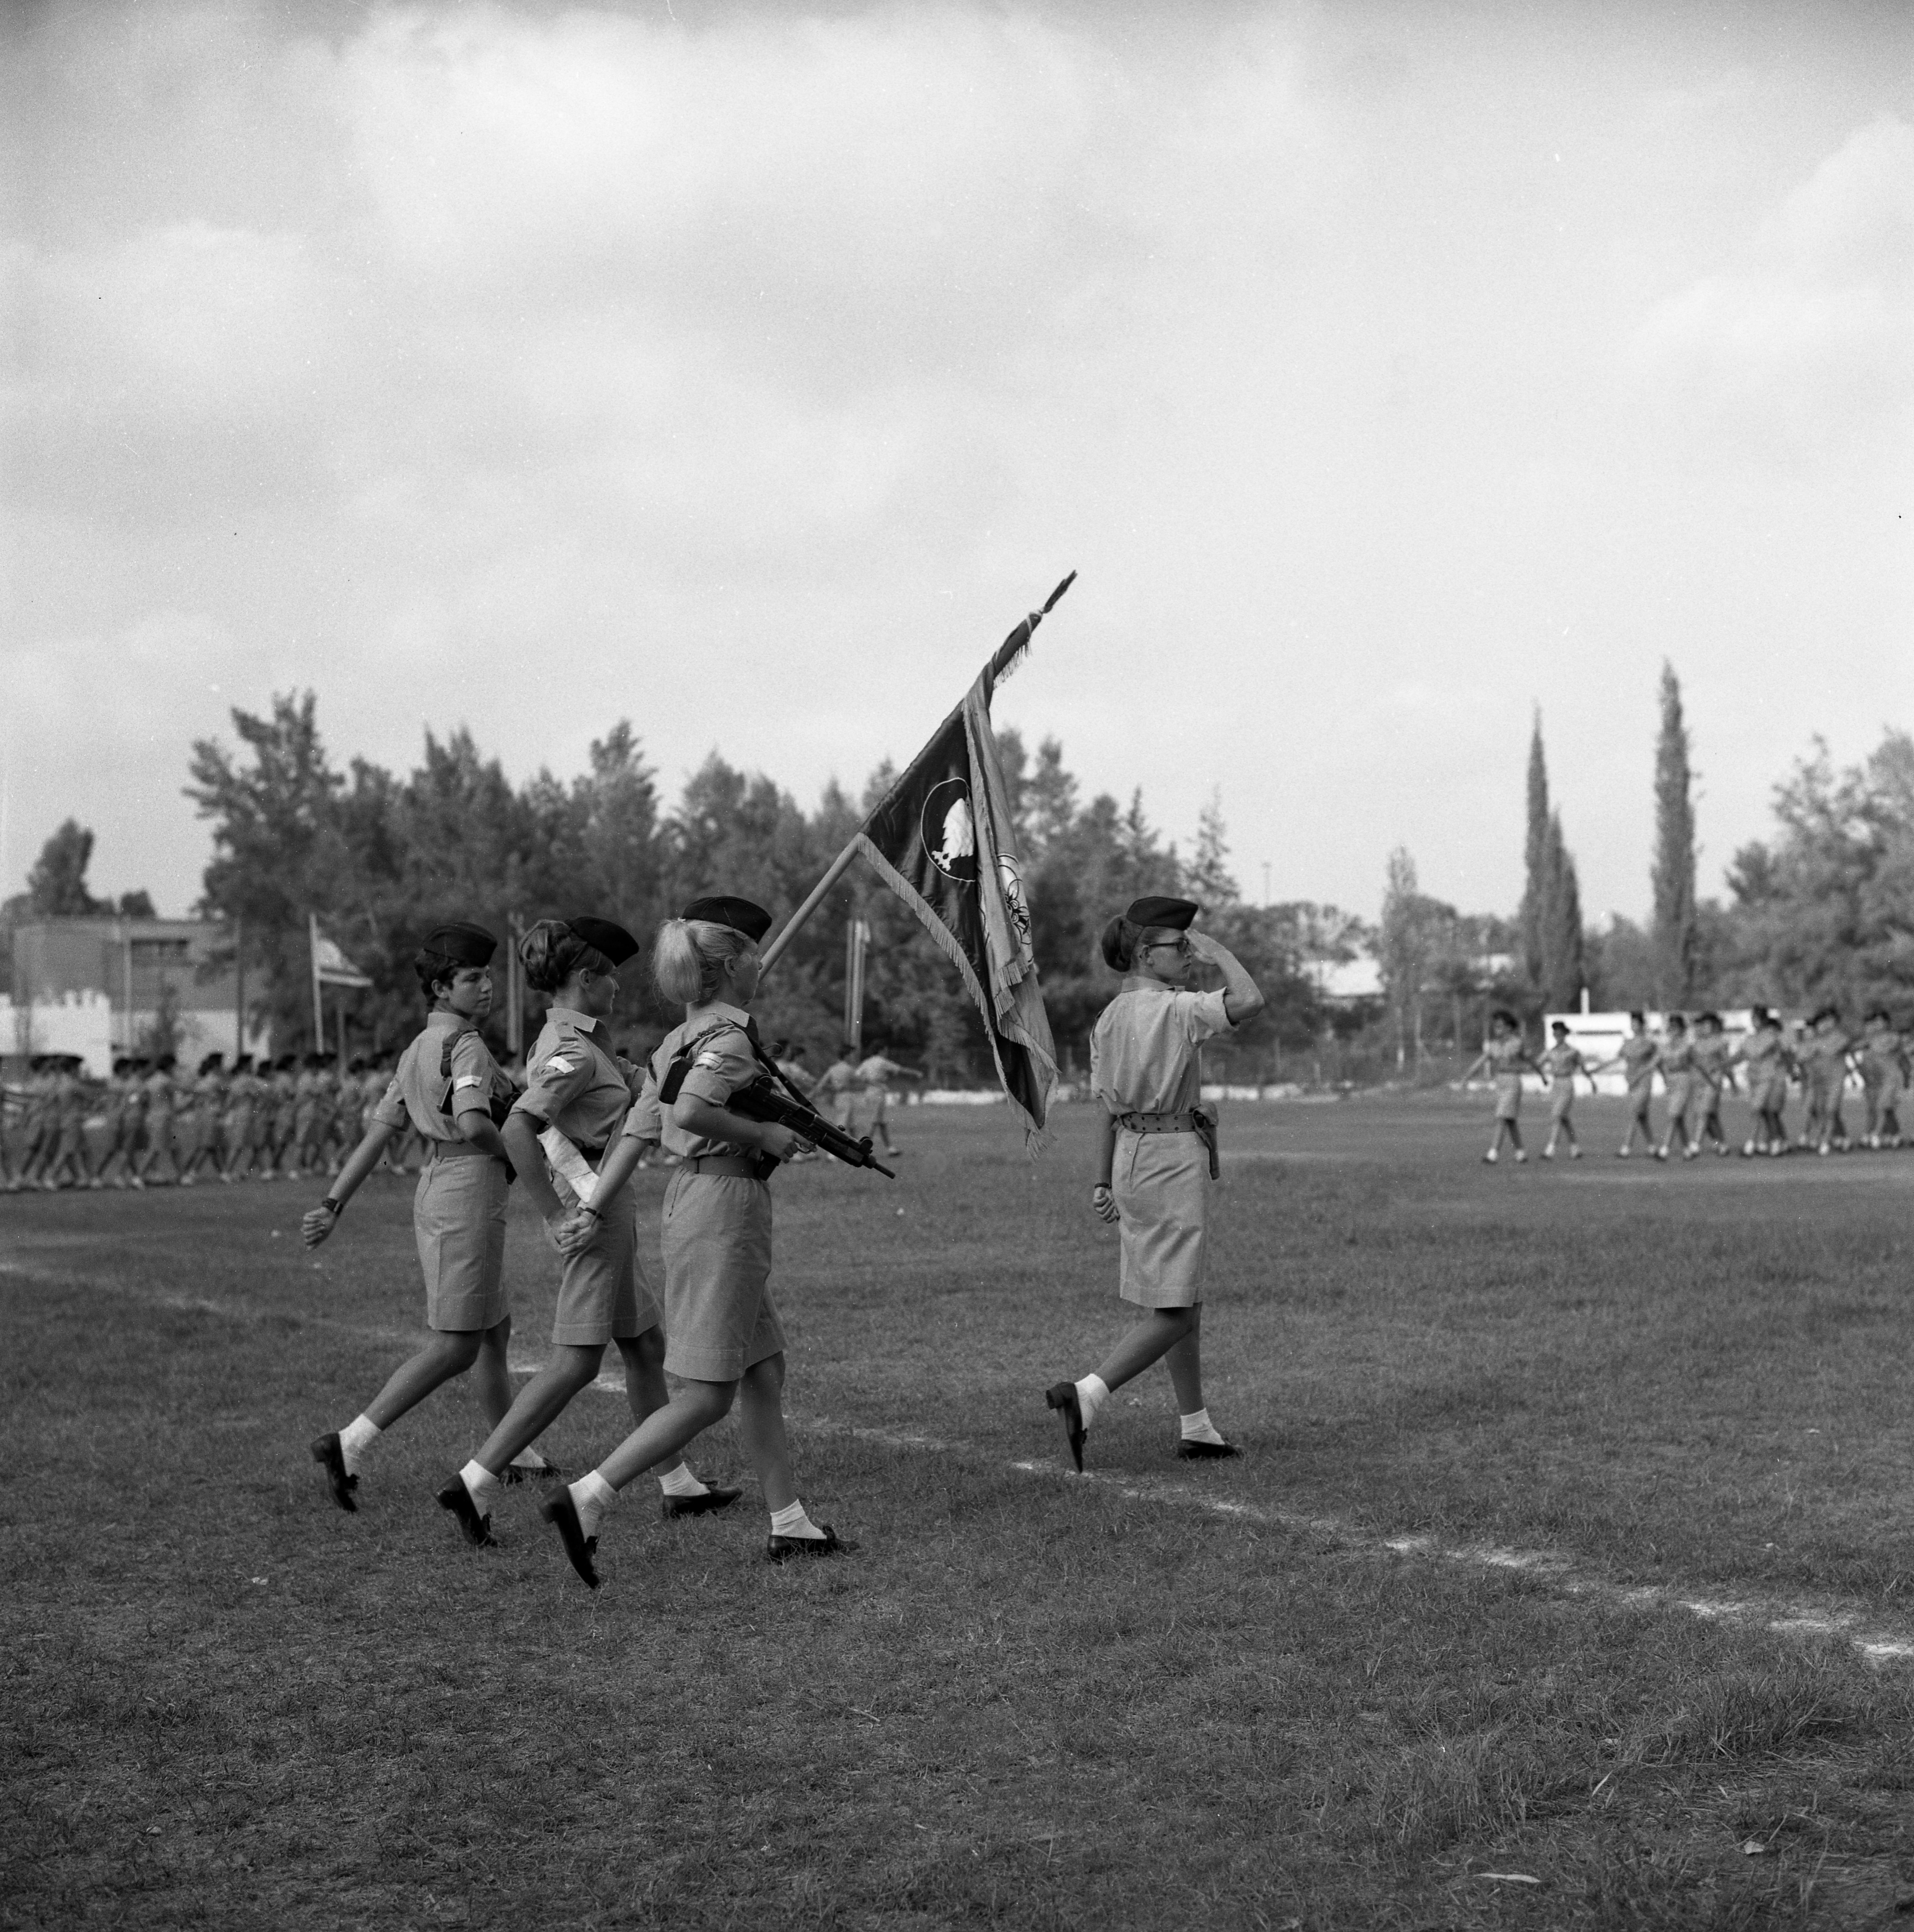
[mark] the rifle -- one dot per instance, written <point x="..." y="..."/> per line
<point x="760" y="1100"/>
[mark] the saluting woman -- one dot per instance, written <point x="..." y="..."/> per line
<point x="724" y="1341"/>
<point x="577" y="1087"/>
<point x="444" y="1087"/>
<point x="1155" y="1157"/>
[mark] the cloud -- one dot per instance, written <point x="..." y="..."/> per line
<point x="1808" y="343"/>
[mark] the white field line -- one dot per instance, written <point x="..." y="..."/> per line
<point x="1786" y="1618"/>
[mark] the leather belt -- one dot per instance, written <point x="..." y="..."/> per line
<point x="460" y="1150"/>
<point x="1191" y="1122"/>
<point x="739" y="1166"/>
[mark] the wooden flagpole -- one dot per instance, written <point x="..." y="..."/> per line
<point x="839" y="866"/>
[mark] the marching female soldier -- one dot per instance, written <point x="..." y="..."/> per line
<point x="1714" y="1070"/>
<point x="1764" y="1053"/>
<point x="445" y="1085"/>
<point x="209" y="1109"/>
<point x="724" y="1341"/>
<point x="1560" y="1064"/>
<point x="579" y="1092"/>
<point x="1505" y="1058"/>
<point x="1883" y="1077"/>
<point x="1678" y="1071"/>
<point x="1826" y="1055"/>
<point x="1157" y="1157"/>
<point x="1636" y="1058"/>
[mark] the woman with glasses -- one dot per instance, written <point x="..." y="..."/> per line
<point x="578" y="1086"/>
<point x="1157" y="1157"/>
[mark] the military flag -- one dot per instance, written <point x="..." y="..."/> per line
<point x="944" y="840"/>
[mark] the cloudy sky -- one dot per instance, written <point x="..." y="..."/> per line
<point x="1385" y="370"/>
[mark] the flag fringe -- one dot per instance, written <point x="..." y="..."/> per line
<point x="946" y="941"/>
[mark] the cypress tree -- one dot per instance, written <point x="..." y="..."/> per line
<point x="1673" y="873"/>
<point x="1564" y="967"/>
<point x="1534" y="889"/>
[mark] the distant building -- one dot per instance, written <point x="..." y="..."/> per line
<point x="155" y="977"/>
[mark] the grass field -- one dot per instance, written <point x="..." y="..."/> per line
<point x="1169" y="1695"/>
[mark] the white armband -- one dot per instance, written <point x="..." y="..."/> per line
<point x="566" y="1161"/>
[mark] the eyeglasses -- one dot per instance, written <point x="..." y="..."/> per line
<point x="1181" y="947"/>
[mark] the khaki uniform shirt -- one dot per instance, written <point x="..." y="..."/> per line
<point x="724" y="1063"/>
<point x="574" y="1083"/>
<point x="418" y="1094"/>
<point x="1144" y="1050"/>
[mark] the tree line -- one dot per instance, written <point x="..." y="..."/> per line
<point x="1820" y="912"/>
<point x="380" y="857"/>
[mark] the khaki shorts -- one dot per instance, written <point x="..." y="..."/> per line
<point x="720" y="1317"/>
<point x="1162" y="1185"/>
<point x="458" y="1218"/>
<point x="603" y="1295"/>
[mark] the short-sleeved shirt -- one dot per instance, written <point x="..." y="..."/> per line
<point x="573" y="1082"/>
<point x="159" y="1095"/>
<point x="1562" y="1064"/>
<point x="1677" y="1057"/>
<point x="1638" y="1054"/>
<point x="1145" y="1049"/>
<point x="877" y="1073"/>
<point x="1712" y="1056"/>
<point x="724" y="1063"/>
<point x="840" y="1077"/>
<point x="1881" y="1053"/>
<point x="420" y="1093"/>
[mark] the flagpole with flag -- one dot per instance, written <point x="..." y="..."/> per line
<point x="330" y="967"/>
<point x="944" y="840"/>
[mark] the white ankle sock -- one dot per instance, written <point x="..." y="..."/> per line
<point x="591" y="1496"/>
<point x="355" y="1439"/>
<point x="1197" y="1427"/>
<point x="1092" y="1392"/>
<point x="680" y="1482"/>
<point x="481" y="1485"/>
<point x="791" y="1521"/>
<point x="528" y="1458"/>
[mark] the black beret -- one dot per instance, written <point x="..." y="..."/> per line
<point x="469" y="945"/>
<point x="1174" y="914"/>
<point x="722" y="909"/>
<point x="606" y="936"/>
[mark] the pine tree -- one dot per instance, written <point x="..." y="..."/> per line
<point x="1209" y="881"/>
<point x="1673" y="875"/>
<point x="1535" y="890"/>
<point x="1564" y="967"/>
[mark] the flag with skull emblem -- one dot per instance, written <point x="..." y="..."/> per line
<point x="943" y="842"/>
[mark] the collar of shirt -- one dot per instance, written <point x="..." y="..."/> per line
<point x="718" y="1010"/>
<point x="1138" y="983"/>
<point x="570" y="1016"/>
<point x="445" y="1021"/>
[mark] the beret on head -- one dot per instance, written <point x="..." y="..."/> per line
<point x="722" y="909"/>
<point x="469" y="945"/>
<point x="606" y="936"/>
<point x="1177" y="914"/>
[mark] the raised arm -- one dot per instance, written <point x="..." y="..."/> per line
<point x="1242" y="997"/>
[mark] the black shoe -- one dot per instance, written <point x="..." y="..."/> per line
<point x="476" y="1529"/>
<point x="327" y="1453"/>
<point x="561" y="1512"/>
<point x="711" y="1499"/>
<point x="1063" y="1397"/>
<point x="782" y="1549"/>
<point x="1205" y="1452"/>
<point x="514" y="1473"/>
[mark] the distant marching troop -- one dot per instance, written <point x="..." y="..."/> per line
<point x="149" y="1124"/>
<point x="1697" y="1065"/>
